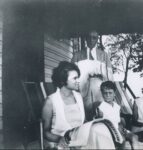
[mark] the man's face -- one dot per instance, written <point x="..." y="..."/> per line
<point x="108" y="95"/>
<point x="92" y="39"/>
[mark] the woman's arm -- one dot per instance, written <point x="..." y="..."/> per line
<point x="47" y="114"/>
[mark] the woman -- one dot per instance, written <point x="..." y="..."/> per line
<point x="63" y="114"/>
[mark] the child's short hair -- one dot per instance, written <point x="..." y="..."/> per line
<point x="107" y="85"/>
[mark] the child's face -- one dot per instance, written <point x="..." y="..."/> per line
<point x="108" y="95"/>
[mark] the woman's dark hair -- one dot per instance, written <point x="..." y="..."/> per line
<point x="107" y="85"/>
<point x="60" y="73"/>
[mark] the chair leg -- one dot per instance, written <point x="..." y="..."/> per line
<point x="41" y="135"/>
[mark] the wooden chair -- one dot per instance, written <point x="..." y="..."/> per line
<point x="35" y="93"/>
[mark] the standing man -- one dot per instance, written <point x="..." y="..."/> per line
<point x="92" y="63"/>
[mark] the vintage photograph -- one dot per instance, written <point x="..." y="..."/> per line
<point x="71" y="74"/>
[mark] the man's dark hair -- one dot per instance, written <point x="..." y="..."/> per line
<point x="108" y="85"/>
<point x="60" y="73"/>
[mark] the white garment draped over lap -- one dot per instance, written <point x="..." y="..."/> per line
<point x="95" y="135"/>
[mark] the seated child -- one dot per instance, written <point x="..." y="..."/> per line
<point x="109" y="109"/>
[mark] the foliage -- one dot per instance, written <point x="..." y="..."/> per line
<point x="126" y="52"/>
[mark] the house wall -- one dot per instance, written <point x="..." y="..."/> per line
<point x="54" y="52"/>
<point x="22" y="60"/>
<point x="27" y="56"/>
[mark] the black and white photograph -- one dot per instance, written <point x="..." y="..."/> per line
<point x="71" y="74"/>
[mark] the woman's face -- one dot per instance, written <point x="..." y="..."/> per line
<point x="73" y="80"/>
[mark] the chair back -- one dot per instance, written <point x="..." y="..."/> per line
<point x="35" y="93"/>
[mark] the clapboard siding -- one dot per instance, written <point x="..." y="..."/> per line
<point x="63" y="51"/>
<point x="59" y="43"/>
<point x="54" y="52"/>
<point x="55" y="55"/>
<point x="48" y="71"/>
